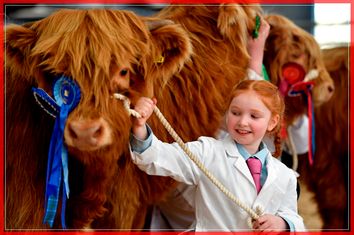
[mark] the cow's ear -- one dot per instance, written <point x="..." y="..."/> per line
<point x="277" y="47"/>
<point x="19" y="41"/>
<point x="171" y="48"/>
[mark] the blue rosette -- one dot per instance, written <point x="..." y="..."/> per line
<point x="67" y="96"/>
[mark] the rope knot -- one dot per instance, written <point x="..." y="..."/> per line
<point x="126" y="104"/>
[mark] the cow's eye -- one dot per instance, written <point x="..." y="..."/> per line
<point x="120" y="79"/>
<point x="123" y="72"/>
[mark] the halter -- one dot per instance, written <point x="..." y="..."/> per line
<point x="66" y="97"/>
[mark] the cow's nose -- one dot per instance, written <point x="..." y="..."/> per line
<point x="87" y="135"/>
<point x="85" y="132"/>
<point x="330" y="88"/>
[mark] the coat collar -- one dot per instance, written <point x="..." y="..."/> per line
<point x="240" y="163"/>
<point x="232" y="150"/>
<point x="230" y="147"/>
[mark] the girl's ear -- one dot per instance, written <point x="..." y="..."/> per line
<point x="225" y="120"/>
<point x="273" y="122"/>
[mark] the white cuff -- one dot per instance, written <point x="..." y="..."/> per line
<point x="252" y="75"/>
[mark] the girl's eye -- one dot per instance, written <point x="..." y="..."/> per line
<point x="123" y="72"/>
<point x="254" y="116"/>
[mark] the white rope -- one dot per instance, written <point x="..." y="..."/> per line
<point x="292" y="147"/>
<point x="253" y="214"/>
<point x="126" y="104"/>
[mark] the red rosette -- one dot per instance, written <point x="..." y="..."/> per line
<point x="293" y="73"/>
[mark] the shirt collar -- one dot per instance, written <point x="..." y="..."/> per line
<point x="261" y="154"/>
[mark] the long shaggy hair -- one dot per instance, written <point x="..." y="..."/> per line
<point x="84" y="45"/>
<point x="106" y="52"/>
<point x="219" y="61"/>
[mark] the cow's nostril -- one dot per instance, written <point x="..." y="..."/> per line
<point x="330" y="89"/>
<point x="98" y="132"/>
<point x="72" y="132"/>
<point x="86" y="131"/>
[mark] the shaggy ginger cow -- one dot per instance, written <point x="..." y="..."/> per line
<point x="288" y="43"/>
<point x="328" y="177"/>
<point x="106" y="52"/>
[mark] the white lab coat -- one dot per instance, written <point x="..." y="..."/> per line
<point x="214" y="211"/>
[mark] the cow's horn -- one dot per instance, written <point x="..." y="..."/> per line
<point x="155" y="24"/>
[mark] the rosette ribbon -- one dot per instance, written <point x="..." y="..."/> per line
<point x="306" y="88"/>
<point x="67" y="95"/>
<point x="296" y="82"/>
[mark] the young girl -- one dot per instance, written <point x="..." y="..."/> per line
<point x="176" y="212"/>
<point x="255" y="109"/>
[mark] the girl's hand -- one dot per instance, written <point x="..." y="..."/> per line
<point x="145" y="106"/>
<point x="256" y="47"/>
<point x="270" y="223"/>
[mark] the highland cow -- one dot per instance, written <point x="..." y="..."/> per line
<point x="328" y="177"/>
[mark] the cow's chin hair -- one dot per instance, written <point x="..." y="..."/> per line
<point x="96" y="170"/>
<point x="89" y="156"/>
<point x="320" y="98"/>
<point x="89" y="148"/>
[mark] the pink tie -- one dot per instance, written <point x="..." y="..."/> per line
<point x="255" y="166"/>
